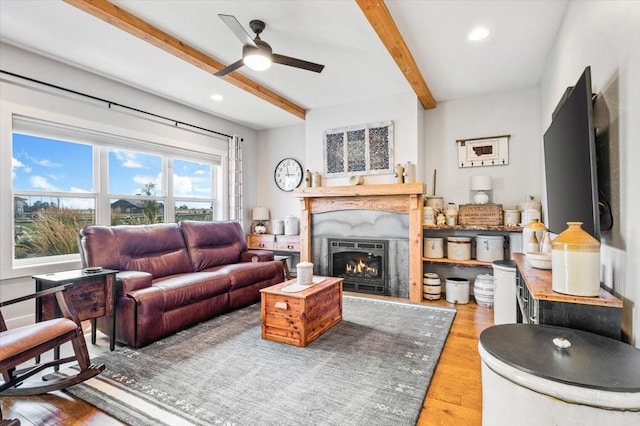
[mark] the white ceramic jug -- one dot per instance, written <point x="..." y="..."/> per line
<point x="291" y="225"/>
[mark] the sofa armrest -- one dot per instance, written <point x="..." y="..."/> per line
<point x="129" y="281"/>
<point x="256" y="256"/>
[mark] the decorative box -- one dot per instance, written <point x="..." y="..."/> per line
<point x="480" y="214"/>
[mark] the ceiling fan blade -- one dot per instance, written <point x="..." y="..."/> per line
<point x="234" y="66"/>
<point x="237" y="29"/>
<point x="298" y="63"/>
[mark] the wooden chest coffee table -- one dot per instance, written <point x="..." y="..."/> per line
<point x="301" y="317"/>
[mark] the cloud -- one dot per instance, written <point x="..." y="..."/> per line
<point x="189" y="186"/>
<point x="145" y="180"/>
<point x="79" y="204"/>
<point x="79" y="190"/>
<point x="17" y="164"/>
<point x="40" y="182"/>
<point x="127" y="159"/>
<point x="44" y="162"/>
<point x="182" y="185"/>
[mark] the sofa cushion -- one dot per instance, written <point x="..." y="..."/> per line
<point x="158" y="249"/>
<point x="248" y="273"/>
<point x="99" y="248"/>
<point x="213" y="243"/>
<point x="185" y="289"/>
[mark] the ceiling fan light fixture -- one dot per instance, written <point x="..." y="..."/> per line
<point x="257" y="58"/>
<point x="479" y="33"/>
<point x="257" y="61"/>
<point x="256" y="53"/>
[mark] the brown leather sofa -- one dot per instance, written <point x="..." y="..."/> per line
<point x="173" y="276"/>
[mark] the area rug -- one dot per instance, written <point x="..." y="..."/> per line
<point x="372" y="368"/>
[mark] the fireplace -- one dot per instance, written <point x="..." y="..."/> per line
<point x="362" y="264"/>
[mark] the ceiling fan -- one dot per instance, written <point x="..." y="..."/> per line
<point x="257" y="54"/>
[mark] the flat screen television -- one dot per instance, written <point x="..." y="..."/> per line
<point x="570" y="162"/>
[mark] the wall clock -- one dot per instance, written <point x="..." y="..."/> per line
<point x="288" y="174"/>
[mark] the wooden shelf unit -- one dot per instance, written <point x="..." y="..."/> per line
<point x="467" y="230"/>
<point x="487" y="229"/>
<point x="473" y="263"/>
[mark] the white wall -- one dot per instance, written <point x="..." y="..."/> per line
<point x="514" y="113"/>
<point x="402" y="109"/>
<point x="606" y="36"/>
<point x="305" y="144"/>
<point x="272" y="146"/>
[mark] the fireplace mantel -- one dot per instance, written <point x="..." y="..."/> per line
<point x="396" y="198"/>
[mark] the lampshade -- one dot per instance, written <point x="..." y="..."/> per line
<point x="481" y="183"/>
<point x="260" y="213"/>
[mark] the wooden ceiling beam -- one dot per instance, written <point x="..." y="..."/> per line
<point x="382" y="22"/>
<point x="125" y="21"/>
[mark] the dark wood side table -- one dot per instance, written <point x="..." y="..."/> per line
<point x="92" y="295"/>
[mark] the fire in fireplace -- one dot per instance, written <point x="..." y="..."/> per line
<point x="362" y="264"/>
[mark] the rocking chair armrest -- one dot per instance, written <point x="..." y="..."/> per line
<point x="36" y="295"/>
<point x="66" y="308"/>
<point x="67" y="311"/>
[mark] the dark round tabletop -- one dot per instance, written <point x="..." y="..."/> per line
<point x="592" y="361"/>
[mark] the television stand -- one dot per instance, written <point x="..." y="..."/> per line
<point x="539" y="304"/>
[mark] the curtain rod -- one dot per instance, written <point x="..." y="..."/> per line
<point x="111" y="103"/>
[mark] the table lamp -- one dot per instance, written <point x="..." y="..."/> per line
<point x="481" y="189"/>
<point x="260" y="214"/>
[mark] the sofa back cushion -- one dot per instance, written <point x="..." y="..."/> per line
<point x="158" y="249"/>
<point x="213" y="243"/>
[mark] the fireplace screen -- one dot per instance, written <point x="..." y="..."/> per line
<point x="362" y="264"/>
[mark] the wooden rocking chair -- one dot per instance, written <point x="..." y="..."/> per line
<point x="25" y="343"/>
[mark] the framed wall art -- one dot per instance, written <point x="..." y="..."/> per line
<point x="359" y="150"/>
<point x="479" y="152"/>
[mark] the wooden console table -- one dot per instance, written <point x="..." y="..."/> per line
<point x="285" y="248"/>
<point x="92" y="296"/>
<point x="539" y="304"/>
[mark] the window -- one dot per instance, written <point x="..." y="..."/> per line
<point x="135" y="188"/>
<point x="193" y="190"/>
<point x="53" y="195"/>
<point x="66" y="178"/>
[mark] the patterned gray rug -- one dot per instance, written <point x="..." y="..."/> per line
<point x="373" y="368"/>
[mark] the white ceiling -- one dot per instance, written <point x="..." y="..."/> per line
<point x="334" y="33"/>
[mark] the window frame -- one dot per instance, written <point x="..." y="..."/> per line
<point x="122" y="138"/>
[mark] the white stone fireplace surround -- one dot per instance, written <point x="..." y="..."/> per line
<point x="391" y="211"/>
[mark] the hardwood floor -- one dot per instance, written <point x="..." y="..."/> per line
<point x="454" y="396"/>
<point x="455" y="393"/>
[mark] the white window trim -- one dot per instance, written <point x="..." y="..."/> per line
<point x="125" y="126"/>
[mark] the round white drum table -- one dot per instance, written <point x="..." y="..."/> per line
<point x="530" y="380"/>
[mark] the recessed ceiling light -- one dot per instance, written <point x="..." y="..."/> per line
<point x="217" y="97"/>
<point x="478" y="34"/>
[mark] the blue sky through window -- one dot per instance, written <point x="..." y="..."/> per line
<point x="191" y="179"/>
<point x="52" y="165"/>
<point x="41" y="164"/>
<point x="130" y="171"/>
